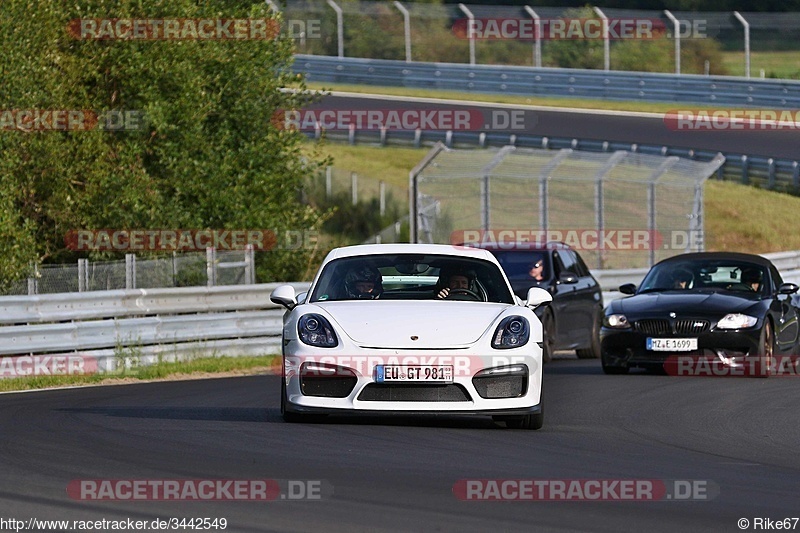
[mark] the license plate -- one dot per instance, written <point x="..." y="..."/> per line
<point x="671" y="345"/>
<point x="414" y="374"/>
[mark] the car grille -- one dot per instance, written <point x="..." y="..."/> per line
<point x="413" y="393"/>
<point x="661" y="326"/>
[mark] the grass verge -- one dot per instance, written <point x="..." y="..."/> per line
<point x="205" y="367"/>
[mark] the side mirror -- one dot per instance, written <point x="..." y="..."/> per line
<point x="537" y="297"/>
<point x="284" y="295"/>
<point x="788" y="288"/>
<point x="628" y="288"/>
<point x="568" y="277"/>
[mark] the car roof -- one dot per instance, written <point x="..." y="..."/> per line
<point x="736" y="256"/>
<point x="522" y="246"/>
<point x="406" y="248"/>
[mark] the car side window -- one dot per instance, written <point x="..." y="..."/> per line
<point x="565" y="261"/>
<point x="580" y="267"/>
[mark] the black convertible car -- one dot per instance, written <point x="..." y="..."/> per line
<point x="729" y="307"/>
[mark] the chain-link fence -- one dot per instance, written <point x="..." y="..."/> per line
<point x="619" y="210"/>
<point x="235" y="267"/>
<point x="437" y="33"/>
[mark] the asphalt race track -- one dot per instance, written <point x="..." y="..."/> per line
<point x="614" y="126"/>
<point x="738" y="437"/>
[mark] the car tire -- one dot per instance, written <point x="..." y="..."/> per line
<point x="593" y="351"/>
<point x="548" y="326"/>
<point x="766" y="351"/>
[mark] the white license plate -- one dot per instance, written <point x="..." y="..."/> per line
<point x="671" y="345"/>
<point x="414" y="374"/>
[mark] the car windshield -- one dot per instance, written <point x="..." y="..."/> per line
<point x="718" y="274"/>
<point x="409" y="277"/>
<point x="530" y="265"/>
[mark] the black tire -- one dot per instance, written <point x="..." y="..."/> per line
<point x="593" y="351"/>
<point x="548" y="328"/>
<point x="766" y="351"/>
<point x="613" y="370"/>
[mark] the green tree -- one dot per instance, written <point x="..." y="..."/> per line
<point x="210" y="152"/>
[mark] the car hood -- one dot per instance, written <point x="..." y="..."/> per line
<point x="685" y="303"/>
<point x="391" y="324"/>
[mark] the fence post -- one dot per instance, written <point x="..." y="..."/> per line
<point x="130" y="271"/>
<point x="406" y="28"/>
<point x="382" y="192"/>
<point x="328" y="182"/>
<point x="677" y="34"/>
<point x="746" y="25"/>
<point x="83" y="275"/>
<point x="354" y="187"/>
<point x="339" y="26"/>
<point x="470" y="32"/>
<point x="33" y="283"/>
<point x="211" y="266"/>
<point x="745" y="175"/>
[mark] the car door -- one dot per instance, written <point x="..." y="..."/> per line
<point x="565" y="300"/>
<point x="787" y="327"/>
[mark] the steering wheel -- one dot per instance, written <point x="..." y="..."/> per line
<point x="463" y="294"/>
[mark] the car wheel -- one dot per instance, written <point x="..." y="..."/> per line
<point x="613" y="369"/>
<point x="766" y="350"/>
<point x="548" y="332"/>
<point x="593" y="351"/>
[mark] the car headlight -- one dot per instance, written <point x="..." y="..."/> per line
<point x="315" y="330"/>
<point x="736" y="321"/>
<point x="616" y="321"/>
<point x="512" y="332"/>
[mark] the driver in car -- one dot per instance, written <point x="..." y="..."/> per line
<point x="454" y="281"/>
<point x="363" y="283"/>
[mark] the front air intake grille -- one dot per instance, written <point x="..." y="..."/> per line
<point x="654" y="326"/>
<point x="375" y="392"/>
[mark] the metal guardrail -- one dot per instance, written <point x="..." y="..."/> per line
<point x="141" y="326"/>
<point x="559" y="82"/>
<point x="765" y="172"/>
<point x="118" y="329"/>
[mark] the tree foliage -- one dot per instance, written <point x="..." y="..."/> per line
<point x="209" y="154"/>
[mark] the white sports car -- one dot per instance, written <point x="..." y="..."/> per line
<point x="412" y="329"/>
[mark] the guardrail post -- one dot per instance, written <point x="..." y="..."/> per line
<point x="130" y="271"/>
<point x="83" y="275"/>
<point x="354" y="187"/>
<point x="745" y="175"/>
<point x="470" y="32"/>
<point x="339" y="26"/>
<point x="211" y="266"/>
<point x="406" y="28"/>
<point x="770" y="173"/>
<point x="795" y="174"/>
<point x="746" y="25"/>
<point x="249" y="265"/>
<point x="382" y="194"/>
<point x="677" y="34"/>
